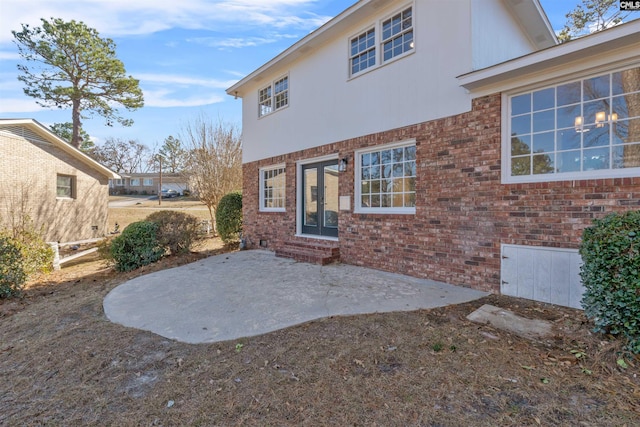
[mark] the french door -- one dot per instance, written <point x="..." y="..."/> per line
<point x="320" y="198"/>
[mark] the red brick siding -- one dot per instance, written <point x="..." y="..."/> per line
<point x="463" y="211"/>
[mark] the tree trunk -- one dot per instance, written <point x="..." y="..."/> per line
<point x="75" y="114"/>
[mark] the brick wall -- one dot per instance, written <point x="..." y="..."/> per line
<point x="463" y="212"/>
<point x="29" y="171"/>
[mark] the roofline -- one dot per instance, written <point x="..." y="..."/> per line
<point x="364" y="7"/>
<point x="62" y="144"/>
<point x="499" y="76"/>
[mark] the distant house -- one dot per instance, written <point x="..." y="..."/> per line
<point x="148" y="183"/>
<point x="60" y="188"/>
<point x="470" y="146"/>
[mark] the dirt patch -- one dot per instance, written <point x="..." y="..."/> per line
<point x="63" y="363"/>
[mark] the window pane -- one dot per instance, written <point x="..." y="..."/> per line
<point x="595" y="111"/>
<point x="566" y="116"/>
<point x="398" y="155"/>
<point x="544" y="121"/>
<point x="543" y="142"/>
<point x="410" y="200"/>
<point x="542" y="163"/>
<point x="385" y="157"/>
<point x="595" y="88"/>
<point x="626" y="131"/>
<point x="626" y="156"/>
<point x="521" y="104"/>
<point x="626" y="81"/>
<point x="521" y="145"/>
<point x="521" y="166"/>
<point x="596" y="159"/>
<point x="596" y="136"/>
<point x="569" y="161"/>
<point x="520" y="125"/>
<point x="568" y="139"/>
<point x="544" y="99"/>
<point x="568" y="93"/>
<point x="410" y="152"/>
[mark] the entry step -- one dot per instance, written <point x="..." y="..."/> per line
<point x="311" y="251"/>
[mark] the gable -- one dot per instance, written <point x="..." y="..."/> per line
<point x="22" y="132"/>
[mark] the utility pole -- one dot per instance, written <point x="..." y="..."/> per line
<point x="160" y="183"/>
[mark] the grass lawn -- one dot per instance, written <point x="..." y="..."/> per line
<point x="63" y="363"/>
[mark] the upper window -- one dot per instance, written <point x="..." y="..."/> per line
<point x="392" y="37"/>
<point x="397" y="34"/>
<point x="363" y="51"/>
<point x="147" y="182"/>
<point x="581" y="129"/>
<point x="386" y="179"/>
<point x="273" y="188"/>
<point x="273" y="97"/>
<point x="65" y="186"/>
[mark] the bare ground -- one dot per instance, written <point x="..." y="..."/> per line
<point x="63" y="363"/>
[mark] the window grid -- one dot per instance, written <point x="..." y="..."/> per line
<point x="273" y="183"/>
<point x="64" y="186"/>
<point x="363" y="51"/>
<point x="387" y="178"/>
<point x="147" y="182"/>
<point x="582" y="126"/>
<point x="397" y="34"/>
<point x="273" y="97"/>
<point x="281" y="89"/>
<point x="264" y="101"/>
<point x="134" y="182"/>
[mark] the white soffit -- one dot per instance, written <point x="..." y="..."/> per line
<point x="617" y="45"/>
<point x="534" y="21"/>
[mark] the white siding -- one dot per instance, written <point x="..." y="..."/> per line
<point x="542" y="274"/>
<point x="326" y="105"/>
<point x="496" y="36"/>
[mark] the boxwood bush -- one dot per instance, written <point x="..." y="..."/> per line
<point x="177" y="231"/>
<point x="610" y="272"/>
<point x="137" y="246"/>
<point x="12" y="272"/>
<point x="229" y="217"/>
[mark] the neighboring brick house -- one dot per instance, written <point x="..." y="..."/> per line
<point x="473" y="148"/>
<point x="60" y="188"/>
<point x="147" y="183"/>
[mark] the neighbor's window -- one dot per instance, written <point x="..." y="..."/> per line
<point x="397" y="34"/>
<point x="147" y="182"/>
<point x="134" y="182"/>
<point x="386" y="179"/>
<point x="273" y="188"/>
<point x="273" y="97"/>
<point x="363" y="51"/>
<point x="65" y="186"/>
<point x="582" y="129"/>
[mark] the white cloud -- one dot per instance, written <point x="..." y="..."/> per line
<point x="20" y="105"/>
<point x="8" y="56"/>
<point x="134" y="17"/>
<point x="169" y="79"/>
<point x="167" y="98"/>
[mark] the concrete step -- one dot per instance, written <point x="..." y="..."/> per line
<point x="315" y="252"/>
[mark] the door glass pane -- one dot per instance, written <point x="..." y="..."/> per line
<point x="331" y="196"/>
<point x="311" y="197"/>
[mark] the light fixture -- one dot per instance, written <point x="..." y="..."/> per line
<point x="342" y="165"/>
<point x="613" y="117"/>
<point x="578" y="124"/>
<point x="600" y="116"/>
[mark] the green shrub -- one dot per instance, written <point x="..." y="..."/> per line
<point x="610" y="272"/>
<point x="137" y="246"/>
<point x="229" y="217"/>
<point x="12" y="273"/>
<point x="37" y="254"/>
<point x="177" y="231"/>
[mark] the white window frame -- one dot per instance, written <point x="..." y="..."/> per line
<point x="262" y="198"/>
<point x="400" y="34"/>
<point x="358" y="179"/>
<point x="134" y="182"/>
<point x="366" y="49"/>
<point x="378" y="47"/>
<point x="147" y="182"/>
<point x="118" y="182"/>
<point x="556" y="176"/>
<point x="71" y="187"/>
<point x="269" y="100"/>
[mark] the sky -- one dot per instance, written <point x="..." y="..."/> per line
<point x="185" y="53"/>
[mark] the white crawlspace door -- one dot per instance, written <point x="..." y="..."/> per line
<point x="542" y="274"/>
